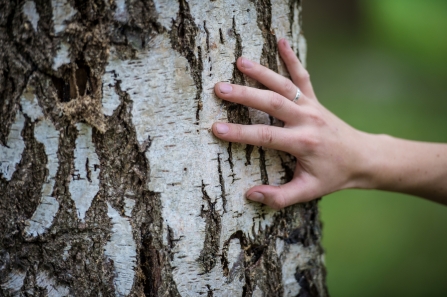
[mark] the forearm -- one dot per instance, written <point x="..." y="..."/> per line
<point x="411" y="167"/>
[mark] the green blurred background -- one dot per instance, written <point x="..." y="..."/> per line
<point x="381" y="65"/>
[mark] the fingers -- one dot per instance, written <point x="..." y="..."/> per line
<point x="299" y="74"/>
<point x="278" y="197"/>
<point x="267" y="101"/>
<point x="268" y="78"/>
<point x="259" y="135"/>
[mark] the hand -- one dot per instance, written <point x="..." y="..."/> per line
<point x="325" y="147"/>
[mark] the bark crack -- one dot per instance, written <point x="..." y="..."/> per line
<point x="263" y="167"/>
<point x="222" y="184"/>
<point x="222" y="40"/>
<point x="207" y="37"/>
<point x="183" y="40"/>
<point x="208" y="255"/>
<point x="237" y="113"/>
<point x="270" y="48"/>
<point x="248" y="151"/>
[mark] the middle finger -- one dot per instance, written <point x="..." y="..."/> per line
<point x="265" y="100"/>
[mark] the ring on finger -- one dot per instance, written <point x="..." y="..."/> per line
<point x="298" y="95"/>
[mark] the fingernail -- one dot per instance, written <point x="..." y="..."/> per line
<point x="225" y="88"/>
<point x="286" y="43"/>
<point x="222" y="128"/>
<point x="246" y="63"/>
<point x="256" y="196"/>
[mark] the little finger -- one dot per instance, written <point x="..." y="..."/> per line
<point x="268" y="78"/>
<point x="278" y="197"/>
<point x="299" y="74"/>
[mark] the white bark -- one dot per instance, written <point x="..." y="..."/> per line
<point x="62" y="56"/>
<point x="122" y="250"/>
<point x="11" y="154"/>
<point x="84" y="182"/>
<point x="29" y="9"/>
<point x="62" y="13"/>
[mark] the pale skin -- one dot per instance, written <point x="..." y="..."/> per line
<point x="330" y="154"/>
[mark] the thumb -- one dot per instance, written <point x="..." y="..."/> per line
<point x="278" y="197"/>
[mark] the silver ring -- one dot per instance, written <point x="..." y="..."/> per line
<point x="298" y="94"/>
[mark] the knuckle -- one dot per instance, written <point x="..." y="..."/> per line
<point x="289" y="87"/>
<point x="278" y="202"/>
<point x="310" y="141"/>
<point x="265" y="135"/>
<point x="238" y="133"/>
<point x="304" y="75"/>
<point x="243" y="91"/>
<point x="276" y="101"/>
<point x="317" y="118"/>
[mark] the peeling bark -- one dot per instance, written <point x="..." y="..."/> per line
<point x="112" y="183"/>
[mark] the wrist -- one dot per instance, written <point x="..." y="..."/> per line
<point x="371" y="161"/>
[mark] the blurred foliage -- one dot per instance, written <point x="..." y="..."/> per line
<point x="382" y="67"/>
<point x="415" y="28"/>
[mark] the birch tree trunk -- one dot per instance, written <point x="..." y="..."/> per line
<point x="112" y="183"/>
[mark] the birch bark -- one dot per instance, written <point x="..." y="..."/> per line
<point x="111" y="181"/>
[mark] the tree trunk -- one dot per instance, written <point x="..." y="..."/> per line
<point x="112" y="183"/>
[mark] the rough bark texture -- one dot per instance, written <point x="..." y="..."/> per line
<point x="111" y="182"/>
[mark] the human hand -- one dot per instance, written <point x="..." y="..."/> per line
<point x="327" y="149"/>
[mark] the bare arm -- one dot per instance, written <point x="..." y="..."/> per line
<point x="411" y="167"/>
<point x="330" y="154"/>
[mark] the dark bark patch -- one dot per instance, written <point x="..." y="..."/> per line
<point x="183" y="35"/>
<point x="288" y="166"/>
<point x="151" y="263"/>
<point x="143" y="20"/>
<point x="208" y="255"/>
<point x="23" y="51"/>
<point x="14" y="74"/>
<point x="76" y="81"/>
<point x="224" y="258"/>
<point x="248" y="150"/>
<point x="237" y="113"/>
<point x="91" y="11"/>
<point x="309" y="233"/>
<point x="269" y="49"/>
<point x="62" y="88"/>
<point x="21" y="195"/>
<point x="308" y="287"/>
